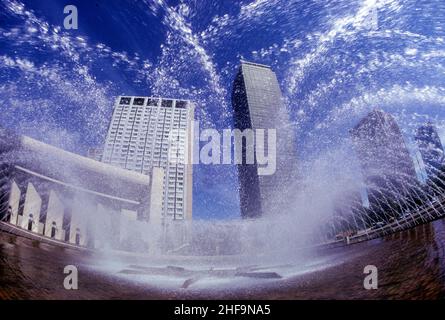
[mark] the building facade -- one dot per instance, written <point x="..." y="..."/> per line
<point x="257" y="103"/>
<point x="62" y="196"/>
<point x="387" y="167"/>
<point x="147" y="132"/>
<point x="430" y="148"/>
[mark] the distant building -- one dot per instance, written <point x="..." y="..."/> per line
<point x="69" y="198"/>
<point x="387" y="166"/>
<point x="95" y="153"/>
<point x="258" y="104"/>
<point x="144" y="133"/>
<point x="430" y="148"/>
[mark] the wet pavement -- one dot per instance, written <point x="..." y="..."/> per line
<point x="411" y="265"/>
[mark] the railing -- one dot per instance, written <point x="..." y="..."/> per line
<point x="433" y="211"/>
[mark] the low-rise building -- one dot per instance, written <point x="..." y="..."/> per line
<point x="67" y="197"/>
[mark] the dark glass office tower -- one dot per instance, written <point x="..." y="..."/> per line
<point x="257" y="104"/>
<point x="387" y="166"/>
<point x="430" y="149"/>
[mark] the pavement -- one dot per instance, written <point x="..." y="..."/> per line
<point x="411" y="265"/>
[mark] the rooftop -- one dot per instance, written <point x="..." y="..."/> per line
<point x="371" y="117"/>
<point x="148" y="97"/>
<point x="254" y="64"/>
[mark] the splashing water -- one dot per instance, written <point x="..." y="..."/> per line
<point x="334" y="65"/>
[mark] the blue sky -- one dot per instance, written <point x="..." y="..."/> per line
<point x="59" y="85"/>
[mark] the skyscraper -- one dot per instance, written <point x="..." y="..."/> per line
<point x="387" y="166"/>
<point x="150" y="132"/>
<point x="257" y="104"/>
<point x="430" y="148"/>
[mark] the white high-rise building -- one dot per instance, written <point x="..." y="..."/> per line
<point x="148" y="132"/>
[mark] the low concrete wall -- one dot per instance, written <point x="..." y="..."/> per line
<point x="16" y="231"/>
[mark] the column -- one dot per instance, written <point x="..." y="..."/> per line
<point x="14" y="202"/>
<point x="31" y="210"/>
<point x="54" y="217"/>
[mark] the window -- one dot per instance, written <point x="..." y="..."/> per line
<point x="125" y="100"/>
<point x="181" y="104"/>
<point x="167" y="103"/>
<point x="138" y="101"/>
<point x="152" y="102"/>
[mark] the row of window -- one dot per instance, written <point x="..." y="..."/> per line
<point x="162" y="152"/>
<point x="138" y="111"/>
<point x="180" y="104"/>
<point x="145" y="128"/>
<point x="124" y="145"/>
<point x="142" y="139"/>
